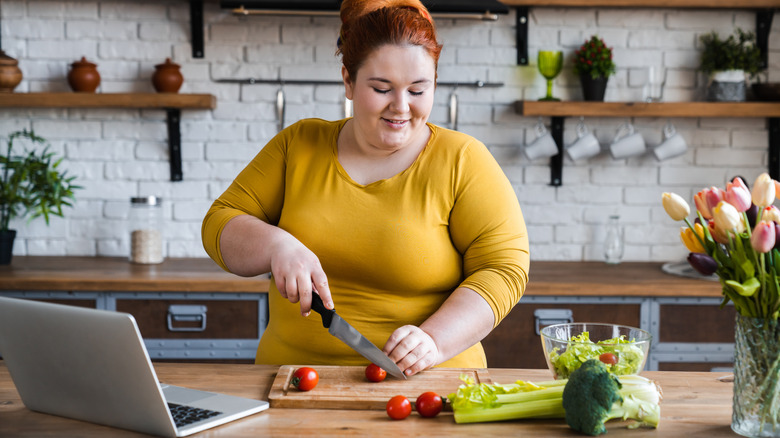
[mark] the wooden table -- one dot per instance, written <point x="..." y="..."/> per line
<point x="695" y="405"/>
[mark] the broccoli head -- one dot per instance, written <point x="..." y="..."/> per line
<point x="592" y="396"/>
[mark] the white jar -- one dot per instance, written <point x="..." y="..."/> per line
<point x="145" y="221"/>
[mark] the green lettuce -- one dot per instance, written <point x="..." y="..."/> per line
<point x="630" y="356"/>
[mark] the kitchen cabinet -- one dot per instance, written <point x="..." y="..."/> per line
<point x="172" y="103"/>
<point x="558" y="111"/>
<point x="190" y="309"/>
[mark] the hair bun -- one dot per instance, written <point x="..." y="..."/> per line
<point x="353" y="9"/>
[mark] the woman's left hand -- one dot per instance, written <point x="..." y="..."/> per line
<point x="412" y="349"/>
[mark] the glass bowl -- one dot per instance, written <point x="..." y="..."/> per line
<point x="622" y="348"/>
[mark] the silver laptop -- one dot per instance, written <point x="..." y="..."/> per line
<point x="92" y="365"/>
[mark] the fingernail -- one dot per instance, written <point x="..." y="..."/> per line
<point x="307" y="313"/>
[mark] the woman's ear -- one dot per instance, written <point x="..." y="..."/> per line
<point x="348" y="85"/>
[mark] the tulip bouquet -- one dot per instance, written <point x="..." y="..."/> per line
<point x="736" y="236"/>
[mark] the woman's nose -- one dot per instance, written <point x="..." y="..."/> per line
<point x="400" y="102"/>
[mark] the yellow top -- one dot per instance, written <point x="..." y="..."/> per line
<point x="393" y="250"/>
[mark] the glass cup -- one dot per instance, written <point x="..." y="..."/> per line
<point x="654" y="87"/>
<point x="550" y="64"/>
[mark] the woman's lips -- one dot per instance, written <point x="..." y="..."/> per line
<point x="395" y="123"/>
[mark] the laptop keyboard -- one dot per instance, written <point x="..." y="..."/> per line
<point x="184" y="415"/>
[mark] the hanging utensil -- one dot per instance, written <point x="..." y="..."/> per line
<point x="280" y="108"/>
<point x="454" y="109"/>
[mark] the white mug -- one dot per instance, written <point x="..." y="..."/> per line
<point x="586" y="145"/>
<point x="627" y="142"/>
<point x="543" y="146"/>
<point x="674" y="144"/>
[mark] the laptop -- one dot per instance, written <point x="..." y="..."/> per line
<point x="92" y="365"/>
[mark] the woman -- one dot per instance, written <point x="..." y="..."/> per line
<point x="412" y="231"/>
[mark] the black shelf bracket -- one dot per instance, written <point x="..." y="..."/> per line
<point x="196" y="28"/>
<point x="763" y="26"/>
<point x="521" y="35"/>
<point x="174" y="143"/>
<point x="556" y="161"/>
<point x="774" y="147"/>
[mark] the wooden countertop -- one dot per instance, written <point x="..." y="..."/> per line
<point x="203" y="275"/>
<point x="694" y="404"/>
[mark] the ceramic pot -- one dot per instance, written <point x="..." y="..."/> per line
<point x="10" y="74"/>
<point x="593" y="89"/>
<point x="83" y="76"/>
<point x="6" y="246"/>
<point x="727" y="86"/>
<point x="167" y="77"/>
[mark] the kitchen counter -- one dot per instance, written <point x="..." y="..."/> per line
<point x="203" y="275"/>
<point x="694" y="404"/>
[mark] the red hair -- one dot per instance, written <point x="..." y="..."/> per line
<point x="367" y="25"/>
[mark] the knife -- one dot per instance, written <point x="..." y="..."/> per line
<point x="349" y="335"/>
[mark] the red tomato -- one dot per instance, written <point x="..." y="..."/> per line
<point x="399" y="407"/>
<point x="305" y="378"/>
<point x="375" y="374"/>
<point x="429" y="404"/>
<point x="608" y="358"/>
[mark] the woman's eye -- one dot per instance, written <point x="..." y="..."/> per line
<point x="416" y="93"/>
<point x="381" y="91"/>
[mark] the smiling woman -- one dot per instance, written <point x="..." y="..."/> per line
<point x="411" y="230"/>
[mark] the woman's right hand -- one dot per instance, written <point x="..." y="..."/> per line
<point x="298" y="273"/>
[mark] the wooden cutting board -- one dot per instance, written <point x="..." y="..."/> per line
<point x="346" y="387"/>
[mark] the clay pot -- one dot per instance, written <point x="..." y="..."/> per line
<point x="83" y="76"/>
<point x="10" y="74"/>
<point x="167" y="78"/>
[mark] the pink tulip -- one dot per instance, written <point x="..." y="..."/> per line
<point x="738" y="195"/>
<point x="707" y="199"/>
<point x="763" y="238"/>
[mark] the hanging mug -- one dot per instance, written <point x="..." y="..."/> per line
<point x="627" y="142"/>
<point x="543" y="146"/>
<point x="674" y="144"/>
<point x="586" y="145"/>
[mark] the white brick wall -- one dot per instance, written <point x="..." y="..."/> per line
<point x="117" y="154"/>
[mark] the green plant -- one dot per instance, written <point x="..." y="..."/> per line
<point x="30" y="182"/>
<point x="737" y="52"/>
<point x="594" y="59"/>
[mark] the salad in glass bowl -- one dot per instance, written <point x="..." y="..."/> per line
<point x="567" y="346"/>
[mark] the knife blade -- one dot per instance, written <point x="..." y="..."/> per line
<point x="342" y="330"/>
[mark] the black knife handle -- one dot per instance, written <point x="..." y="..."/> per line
<point x="319" y="307"/>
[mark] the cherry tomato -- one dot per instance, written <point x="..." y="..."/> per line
<point x="429" y="404"/>
<point x="399" y="407"/>
<point x="375" y="374"/>
<point x="608" y="358"/>
<point x="305" y="378"/>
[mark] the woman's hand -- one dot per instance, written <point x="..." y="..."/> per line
<point x="298" y="273"/>
<point x="412" y="349"/>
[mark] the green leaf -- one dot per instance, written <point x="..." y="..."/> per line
<point x="746" y="289"/>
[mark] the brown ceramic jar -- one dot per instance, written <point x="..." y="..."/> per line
<point x="10" y="74"/>
<point x="167" y="77"/>
<point x="83" y="76"/>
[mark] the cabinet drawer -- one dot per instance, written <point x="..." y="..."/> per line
<point x="692" y="323"/>
<point x="694" y="366"/>
<point x="515" y="344"/>
<point x="224" y="319"/>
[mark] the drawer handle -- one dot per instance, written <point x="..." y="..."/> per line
<point x="551" y="316"/>
<point x="186" y="313"/>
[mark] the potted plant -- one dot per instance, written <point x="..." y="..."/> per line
<point x="727" y="61"/>
<point x="594" y="64"/>
<point x="30" y="184"/>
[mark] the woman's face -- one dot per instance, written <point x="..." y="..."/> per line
<point x="392" y="97"/>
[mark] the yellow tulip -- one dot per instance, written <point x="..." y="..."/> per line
<point x="763" y="192"/>
<point x="690" y="240"/>
<point x="675" y="206"/>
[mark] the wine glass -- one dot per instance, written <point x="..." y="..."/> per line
<point x="550" y="64"/>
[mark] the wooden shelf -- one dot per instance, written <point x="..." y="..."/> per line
<point x="108" y="100"/>
<point x="172" y="103"/>
<point x="704" y="4"/>
<point x="641" y="109"/>
<point x="558" y="111"/>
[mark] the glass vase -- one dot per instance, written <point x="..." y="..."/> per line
<point x="756" y="408"/>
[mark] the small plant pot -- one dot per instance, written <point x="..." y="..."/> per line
<point x="7" y="246"/>
<point x="593" y="90"/>
<point x="727" y="86"/>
